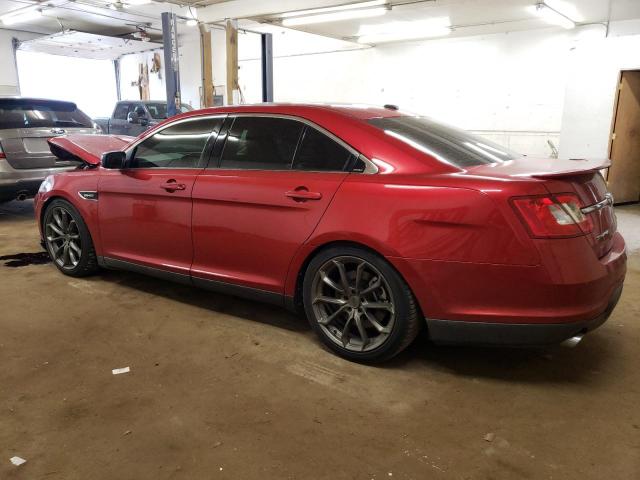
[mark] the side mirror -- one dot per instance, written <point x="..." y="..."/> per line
<point x="114" y="160"/>
<point x="144" y="121"/>
<point x="132" y="117"/>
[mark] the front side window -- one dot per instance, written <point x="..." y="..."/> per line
<point x="318" y="152"/>
<point x="180" y="146"/>
<point x="261" y="143"/>
<point x="448" y="144"/>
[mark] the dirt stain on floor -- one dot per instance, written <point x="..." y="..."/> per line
<point x="23" y="259"/>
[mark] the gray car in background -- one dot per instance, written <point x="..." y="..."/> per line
<point x="25" y="126"/>
<point x="133" y="117"/>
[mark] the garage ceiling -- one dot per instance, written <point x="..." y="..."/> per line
<point x="86" y="45"/>
<point x="467" y="17"/>
<point x="101" y="17"/>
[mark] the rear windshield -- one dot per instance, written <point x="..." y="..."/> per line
<point x="448" y="144"/>
<point x="25" y="113"/>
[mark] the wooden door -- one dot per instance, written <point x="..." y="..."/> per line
<point x="624" y="174"/>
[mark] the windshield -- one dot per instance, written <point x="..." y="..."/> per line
<point x="26" y="113"/>
<point x="158" y="110"/>
<point x="448" y="144"/>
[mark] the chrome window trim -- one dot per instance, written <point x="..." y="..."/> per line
<point x="370" y="168"/>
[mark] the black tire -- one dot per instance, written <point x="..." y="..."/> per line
<point x="406" y="322"/>
<point x="87" y="262"/>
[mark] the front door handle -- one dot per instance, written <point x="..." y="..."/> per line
<point x="172" y="186"/>
<point x="302" y="194"/>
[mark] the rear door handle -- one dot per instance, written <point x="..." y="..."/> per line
<point x="172" y="186"/>
<point x="302" y="194"/>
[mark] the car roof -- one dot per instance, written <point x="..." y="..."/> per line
<point x="35" y="99"/>
<point x="356" y="111"/>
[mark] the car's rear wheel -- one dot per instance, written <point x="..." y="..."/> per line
<point x="359" y="305"/>
<point x="68" y="240"/>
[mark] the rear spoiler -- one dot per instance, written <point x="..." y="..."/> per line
<point x="554" y="168"/>
<point x="87" y="148"/>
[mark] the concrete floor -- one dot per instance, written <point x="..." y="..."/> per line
<point x="226" y="388"/>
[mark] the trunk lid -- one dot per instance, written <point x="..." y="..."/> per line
<point x="581" y="177"/>
<point x="88" y="148"/>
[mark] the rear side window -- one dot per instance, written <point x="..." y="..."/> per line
<point x="318" y="152"/>
<point x="261" y="143"/>
<point x="26" y="113"/>
<point x="121" y="111"/>
<point x="180" y="146"/>
<point x="448" y="144"/>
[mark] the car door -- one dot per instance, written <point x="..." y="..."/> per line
<point x="252" y="210"/>
<point x="118" y="124"/>
<point x="145" y="208"/>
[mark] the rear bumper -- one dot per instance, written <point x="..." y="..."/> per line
<point x="452" y="332"/>
<point x="14" y="181"/>
<point x="10" y="191"/>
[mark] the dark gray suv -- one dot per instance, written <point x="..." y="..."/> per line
<point x="25" y="126"/>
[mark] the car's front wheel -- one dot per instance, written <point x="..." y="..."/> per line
<point x="359" y="305"/>
<point x="68" y="240"/>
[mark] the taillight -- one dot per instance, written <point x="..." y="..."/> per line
<point x="2" y="155"/>
<point x="552" y="216"/>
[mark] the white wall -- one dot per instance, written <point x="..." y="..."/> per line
<point x="520" y="89"/>
<point x="594" y="66"/>
<point x="510" y="87"/>
<point x="190" y="71"/>
<point x="129" y="73"/>
<point x="9" y="84"/>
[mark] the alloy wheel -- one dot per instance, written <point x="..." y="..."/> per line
<point x="63" y="239"/>
<point x="353" y="304"/>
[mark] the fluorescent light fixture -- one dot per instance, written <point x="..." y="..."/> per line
<point x="21" y="16"/>
<point x="334" y="16"/>
<point x="351" y="6"/>
<point x="400" y="31"/>
<point x="551" y="16"/>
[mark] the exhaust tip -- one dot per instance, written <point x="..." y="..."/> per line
<point x="22" y="195"/>
<point x="573" y="341"/>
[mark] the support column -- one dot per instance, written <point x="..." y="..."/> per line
<point x="232" y="62"/>
<point x="171" y="62"/>
<point x="267" y="67"/>
<point x="207" y="68"/>
<point x="116" y="67"/>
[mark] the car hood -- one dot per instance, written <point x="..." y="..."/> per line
<point x="88" y="148"/>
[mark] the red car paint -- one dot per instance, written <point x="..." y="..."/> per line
<point x="452" y="233"/>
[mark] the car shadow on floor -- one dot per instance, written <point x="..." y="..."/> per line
<point x="559" y="364"/>
<point x="553" y="364"/>
<point x="208" y="300"/>
<point x="17" y="211"/>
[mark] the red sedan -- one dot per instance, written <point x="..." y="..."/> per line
<point x="374" y="222"/>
